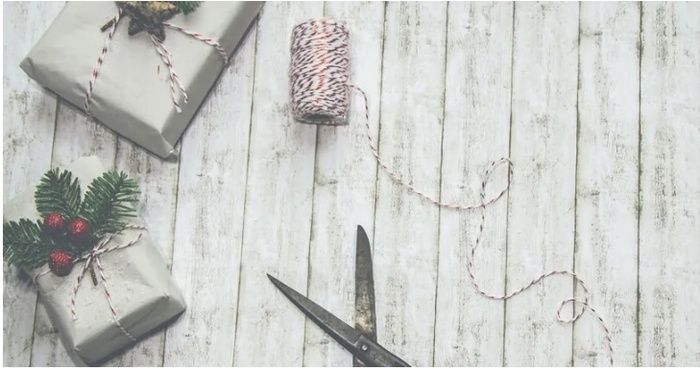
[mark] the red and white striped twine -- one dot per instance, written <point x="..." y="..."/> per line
<point x="319" y="94"/>
<point x="93" y="257"/>
<point x="203" y="38"/>
<point x="584" y="302"/>
<point x="100" y="59"/>
<point x="176" y="86"/>
<point x="178" y="92"/>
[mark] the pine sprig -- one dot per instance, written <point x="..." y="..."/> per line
<point x="109" y="200"/>
<point x="58" y="193"/>
<point x="24" y="244"/>
<point x="186" y="7"/>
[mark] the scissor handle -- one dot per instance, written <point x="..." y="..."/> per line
<point x="374" y="355"/>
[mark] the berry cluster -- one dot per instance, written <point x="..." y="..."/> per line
<point x="77" y="231"/>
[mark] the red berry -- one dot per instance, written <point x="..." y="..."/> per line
<point x="78" y="230"/>
<point x="60" y="262"/>
<point x="54" y="222"/>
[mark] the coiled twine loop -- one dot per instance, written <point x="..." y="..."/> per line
<point x="319" y="72"/>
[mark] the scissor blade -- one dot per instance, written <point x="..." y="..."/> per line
<point x="339" y="330"/>
<point x="365" y="318"/>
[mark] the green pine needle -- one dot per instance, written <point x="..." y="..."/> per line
<point x="109" y="200"/>
<point x="186" y="7"/>
<point x="58" y="193"/>
<point x="24" y="244"/>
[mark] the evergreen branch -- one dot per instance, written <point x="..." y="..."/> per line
<point x="186" y="7"/>
<point x="58" y="193"/>
<point x="110" y="199"/>
<point x="24" y="244"/>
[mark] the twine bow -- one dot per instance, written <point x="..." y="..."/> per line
<point x="178" y="92"/>
<point x="92" y="259"/>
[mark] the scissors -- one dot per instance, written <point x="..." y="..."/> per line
<point x="361" y="340"/>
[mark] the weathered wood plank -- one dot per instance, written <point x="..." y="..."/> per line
<point x="29" y="112"/>
<point x="541" y="199"/>
<point x="278" y="202"/>
<point x="28" y="127"/>
<point x="76" y="136"/>
<point x="344" y="187"/>
<point x="607" y="179"/>
<point x="669" y="230"/>
<point x="209" y="222"/>
<point x="406" y="227"/>
<point x="158" y="184"/>
<point x="477" y="127"/>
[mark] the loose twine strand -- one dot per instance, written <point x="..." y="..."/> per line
<point x="319" y="93"/>
<point x="93" y="257"/>
<point x="178" y="93"/>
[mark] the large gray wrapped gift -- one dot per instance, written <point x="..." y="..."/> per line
<point x="141" y="291"/>
<point x="131" y="90"/>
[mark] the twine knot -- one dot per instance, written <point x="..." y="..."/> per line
<point x="91" y="260"/>
<point x="178" y="92"/>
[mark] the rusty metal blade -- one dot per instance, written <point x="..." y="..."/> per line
<point x="365" y="315"/>
<point x="339" y="330"/>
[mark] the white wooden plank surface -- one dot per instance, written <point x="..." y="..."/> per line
<point x="344" y="186"/>
<point x="279" y="194"/>
<point x="256" y="192"/>
<point x="469" y="327"/>
<point x="541" y="200"/>
<point x="209" y="224"/>
<point x="406" y="227"/>
<point x="669" y="230"/>
<point x="607" y="179"/>
<point x="28" y="127"/>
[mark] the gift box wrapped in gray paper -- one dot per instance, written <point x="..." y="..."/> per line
<point x="107" y="301"/>
<point x="146" y="86"/>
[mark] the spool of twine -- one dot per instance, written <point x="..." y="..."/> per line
<point x="319" y="72"/>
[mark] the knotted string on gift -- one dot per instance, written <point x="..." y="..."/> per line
<point x="178" y="92"/>
<point x="92" y="259"/>
<point x="319" y="94"/>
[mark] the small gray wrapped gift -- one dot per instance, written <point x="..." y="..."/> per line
<point x="132" y="293"/>
<point x="146" y="86"/>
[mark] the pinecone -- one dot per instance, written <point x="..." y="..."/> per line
<point x="60" y="262"/>
<point x="54" y="223"/>
<point x="79" y="230"/>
